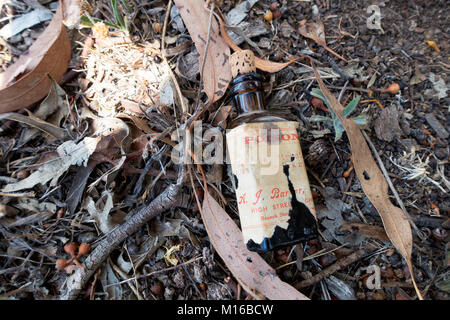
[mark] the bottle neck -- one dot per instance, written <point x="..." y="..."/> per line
<point x="248" y="93"/>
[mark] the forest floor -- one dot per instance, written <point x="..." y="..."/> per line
<point x="171" y="257"/>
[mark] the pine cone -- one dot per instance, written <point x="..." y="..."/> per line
<point x="318" y="152"/>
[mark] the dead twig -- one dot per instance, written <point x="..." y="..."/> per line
<point x="169" y="198"/>
<point x="166" y="20"/>
<point x="338" y="265"/>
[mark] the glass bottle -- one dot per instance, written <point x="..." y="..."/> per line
<point x="272" y="189"/>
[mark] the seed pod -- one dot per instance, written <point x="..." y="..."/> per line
<point x="157" y="27"/>
<point x="392" y="89"/>
<point x="61" y="263"/>
<point x="203" y="287"/>
<point x="387" y="272"/>
<point x="318" y="151"/>
<point x="83" y="250"/>
<point x="432" y="44"/>
<point x="347" y="172"/>
<point x="22" y="174"/>
<point x="71" y="248"/>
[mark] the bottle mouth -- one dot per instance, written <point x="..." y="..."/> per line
<point x="247" y="83"/>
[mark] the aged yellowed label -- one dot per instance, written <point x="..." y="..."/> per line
<point x="265" y="157"/>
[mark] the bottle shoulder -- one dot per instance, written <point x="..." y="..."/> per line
<point x="257" y="116"/>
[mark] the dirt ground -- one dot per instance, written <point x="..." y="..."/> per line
<point x="171" y="257"/>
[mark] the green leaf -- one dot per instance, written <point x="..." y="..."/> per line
<point x="117" y="14"/>
<point x="351" y="106"/>
<point x="339" y="129"/>
<point x="319" y="118"/>
<point x="361" y="120"/>
<point x="318" y="94"/>
<point x="86" y="22"/>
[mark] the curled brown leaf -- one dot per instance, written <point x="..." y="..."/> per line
<point x="26" y="81"/>
<point x="316" y="32"/>
<point x="264" y="65"/>
<point x="216" y="68"/>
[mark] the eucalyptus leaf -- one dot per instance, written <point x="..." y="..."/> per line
<point x="361" y="120"/>
<point x="339" y="128"/>
<point x="319" y="118"/>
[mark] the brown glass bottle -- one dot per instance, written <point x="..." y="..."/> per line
<point x="276" y="209"/>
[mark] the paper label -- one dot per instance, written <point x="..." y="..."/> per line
<point x="264" y="158"/>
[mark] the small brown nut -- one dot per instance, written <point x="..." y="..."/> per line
<point x="62" y="263"/>
<point x="71" y="248"/>
<point x="284" y="257"/>
<point x="157" y="27"/>
<point x="22" y="174"/>
<point x="83" y="250"/>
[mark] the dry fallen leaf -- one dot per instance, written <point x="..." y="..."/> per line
<point x="247" y="267"/>
<point x="316" y="32"/>
<point x="169" y="256"/>
<point x="217" y="74"/>
<point x="73" y="10"/>
<point x="37" y="123"/>
<point x="114" y="142"/>
<point x="26" y="81"/>
<point x="69" y="153"/>
<point x="25" y="21"/>
<point x="109" y="281"/>
<point x="100" y="211"/>
<point x="52" y="109"/>
<point x="264" y="65"/>
<point x="373" y="183"/>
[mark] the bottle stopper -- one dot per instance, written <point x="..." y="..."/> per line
<point x="242" y="62"/>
